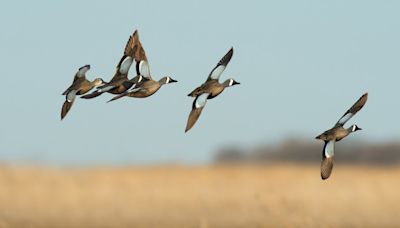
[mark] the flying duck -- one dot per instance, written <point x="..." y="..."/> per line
<point x="337" y="133"/>
<point x="120" y="82"/>
<point x="209" y="89"/>
<point x="79" y="86"/>
<point x="147" y="86"/>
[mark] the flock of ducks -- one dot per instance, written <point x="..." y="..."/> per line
<point x="143" y="85"/>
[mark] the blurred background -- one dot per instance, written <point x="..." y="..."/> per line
<point x="251" y="160"/>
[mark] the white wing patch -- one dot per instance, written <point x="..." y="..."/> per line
<point x="82" y="71"/>
<point x="216" y="73"/>
<point x="126" y="65"/>
<point x="329" y="149"/>
<point x="144" y="69"/>
<point x="71" y="96"/>
<point x="201" y="100"/>
<point x="345" y="118"/>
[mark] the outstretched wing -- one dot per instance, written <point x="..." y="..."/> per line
<point x="69" y="100"/>
<point x="327" y="159"/>
<point x="138" y="53"/>
<point x="353" y="110"/>
<point x="79" y="77"/>
<point x="197" y="107"/>
<point x="135" y="50"/>
<point x="217" y="71"/>
<point x="81" y="74"/>
<point x="122" y="70"/>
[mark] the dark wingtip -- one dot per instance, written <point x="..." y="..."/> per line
<point x="87" y="65"/>
<point x="117" y="97"/>
<point x="113" y="99"/>
<point x="135" y="33"/>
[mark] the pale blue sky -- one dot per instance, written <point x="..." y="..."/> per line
<point x="301" y="65"/>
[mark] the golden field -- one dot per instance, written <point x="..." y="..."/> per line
<point x="279" y="195"/>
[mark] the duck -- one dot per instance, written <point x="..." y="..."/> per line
<point x="337" y="133"/>
<point x="210" y="89"/>
<point x="145" y="89"/>
<point x="80" y="86"/>
<point x="120" y="82"/>
<point x="147" y="86"/>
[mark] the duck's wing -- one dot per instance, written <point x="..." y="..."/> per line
<point x="121" y="72"/>
<point x="81" y="74"/>
<point x="69" y="100"/>
<point x="197" y="107"/>
<point x="327" y="159"/>
<point x="139" y="54"/>
<point x="353" y="110"/>
<point x="120" y="76"/>
<point x="134" y="48"/>
<point x="100" y="90"/>
<point x="79" y="77"/>
<point x="196" y="91"/>
<point x="220" y="67"/>
<point x="126" y="93"/>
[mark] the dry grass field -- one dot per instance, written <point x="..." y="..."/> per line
<point x="216" y="196"/>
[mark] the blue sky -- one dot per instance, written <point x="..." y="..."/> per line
<point x="300" y="64"/>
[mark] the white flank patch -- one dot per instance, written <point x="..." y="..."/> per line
<point x="140" y="78"/>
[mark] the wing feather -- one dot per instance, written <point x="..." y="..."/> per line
<point x="327" y="159"/>
<point x="220" y="67"/>
<point x="197" y="108"/>
<point x="353" y="110"/>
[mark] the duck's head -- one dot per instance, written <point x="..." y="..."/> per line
<point x="99" y="82"/>
<point x="230" y="82"/>
<point x="167" y="80"/>
<point x="355" y="128"/>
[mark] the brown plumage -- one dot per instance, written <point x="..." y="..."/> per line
<point x="337" y="133"/>
<point x="145" y="89"/>
<point x="193" y="117"/>
<point x="120" y="82"/>
<point x="326" y="168"/>
<point x="209" y="89"/>
<point x="146" y="86"/>
<point x="79" y="86"/>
